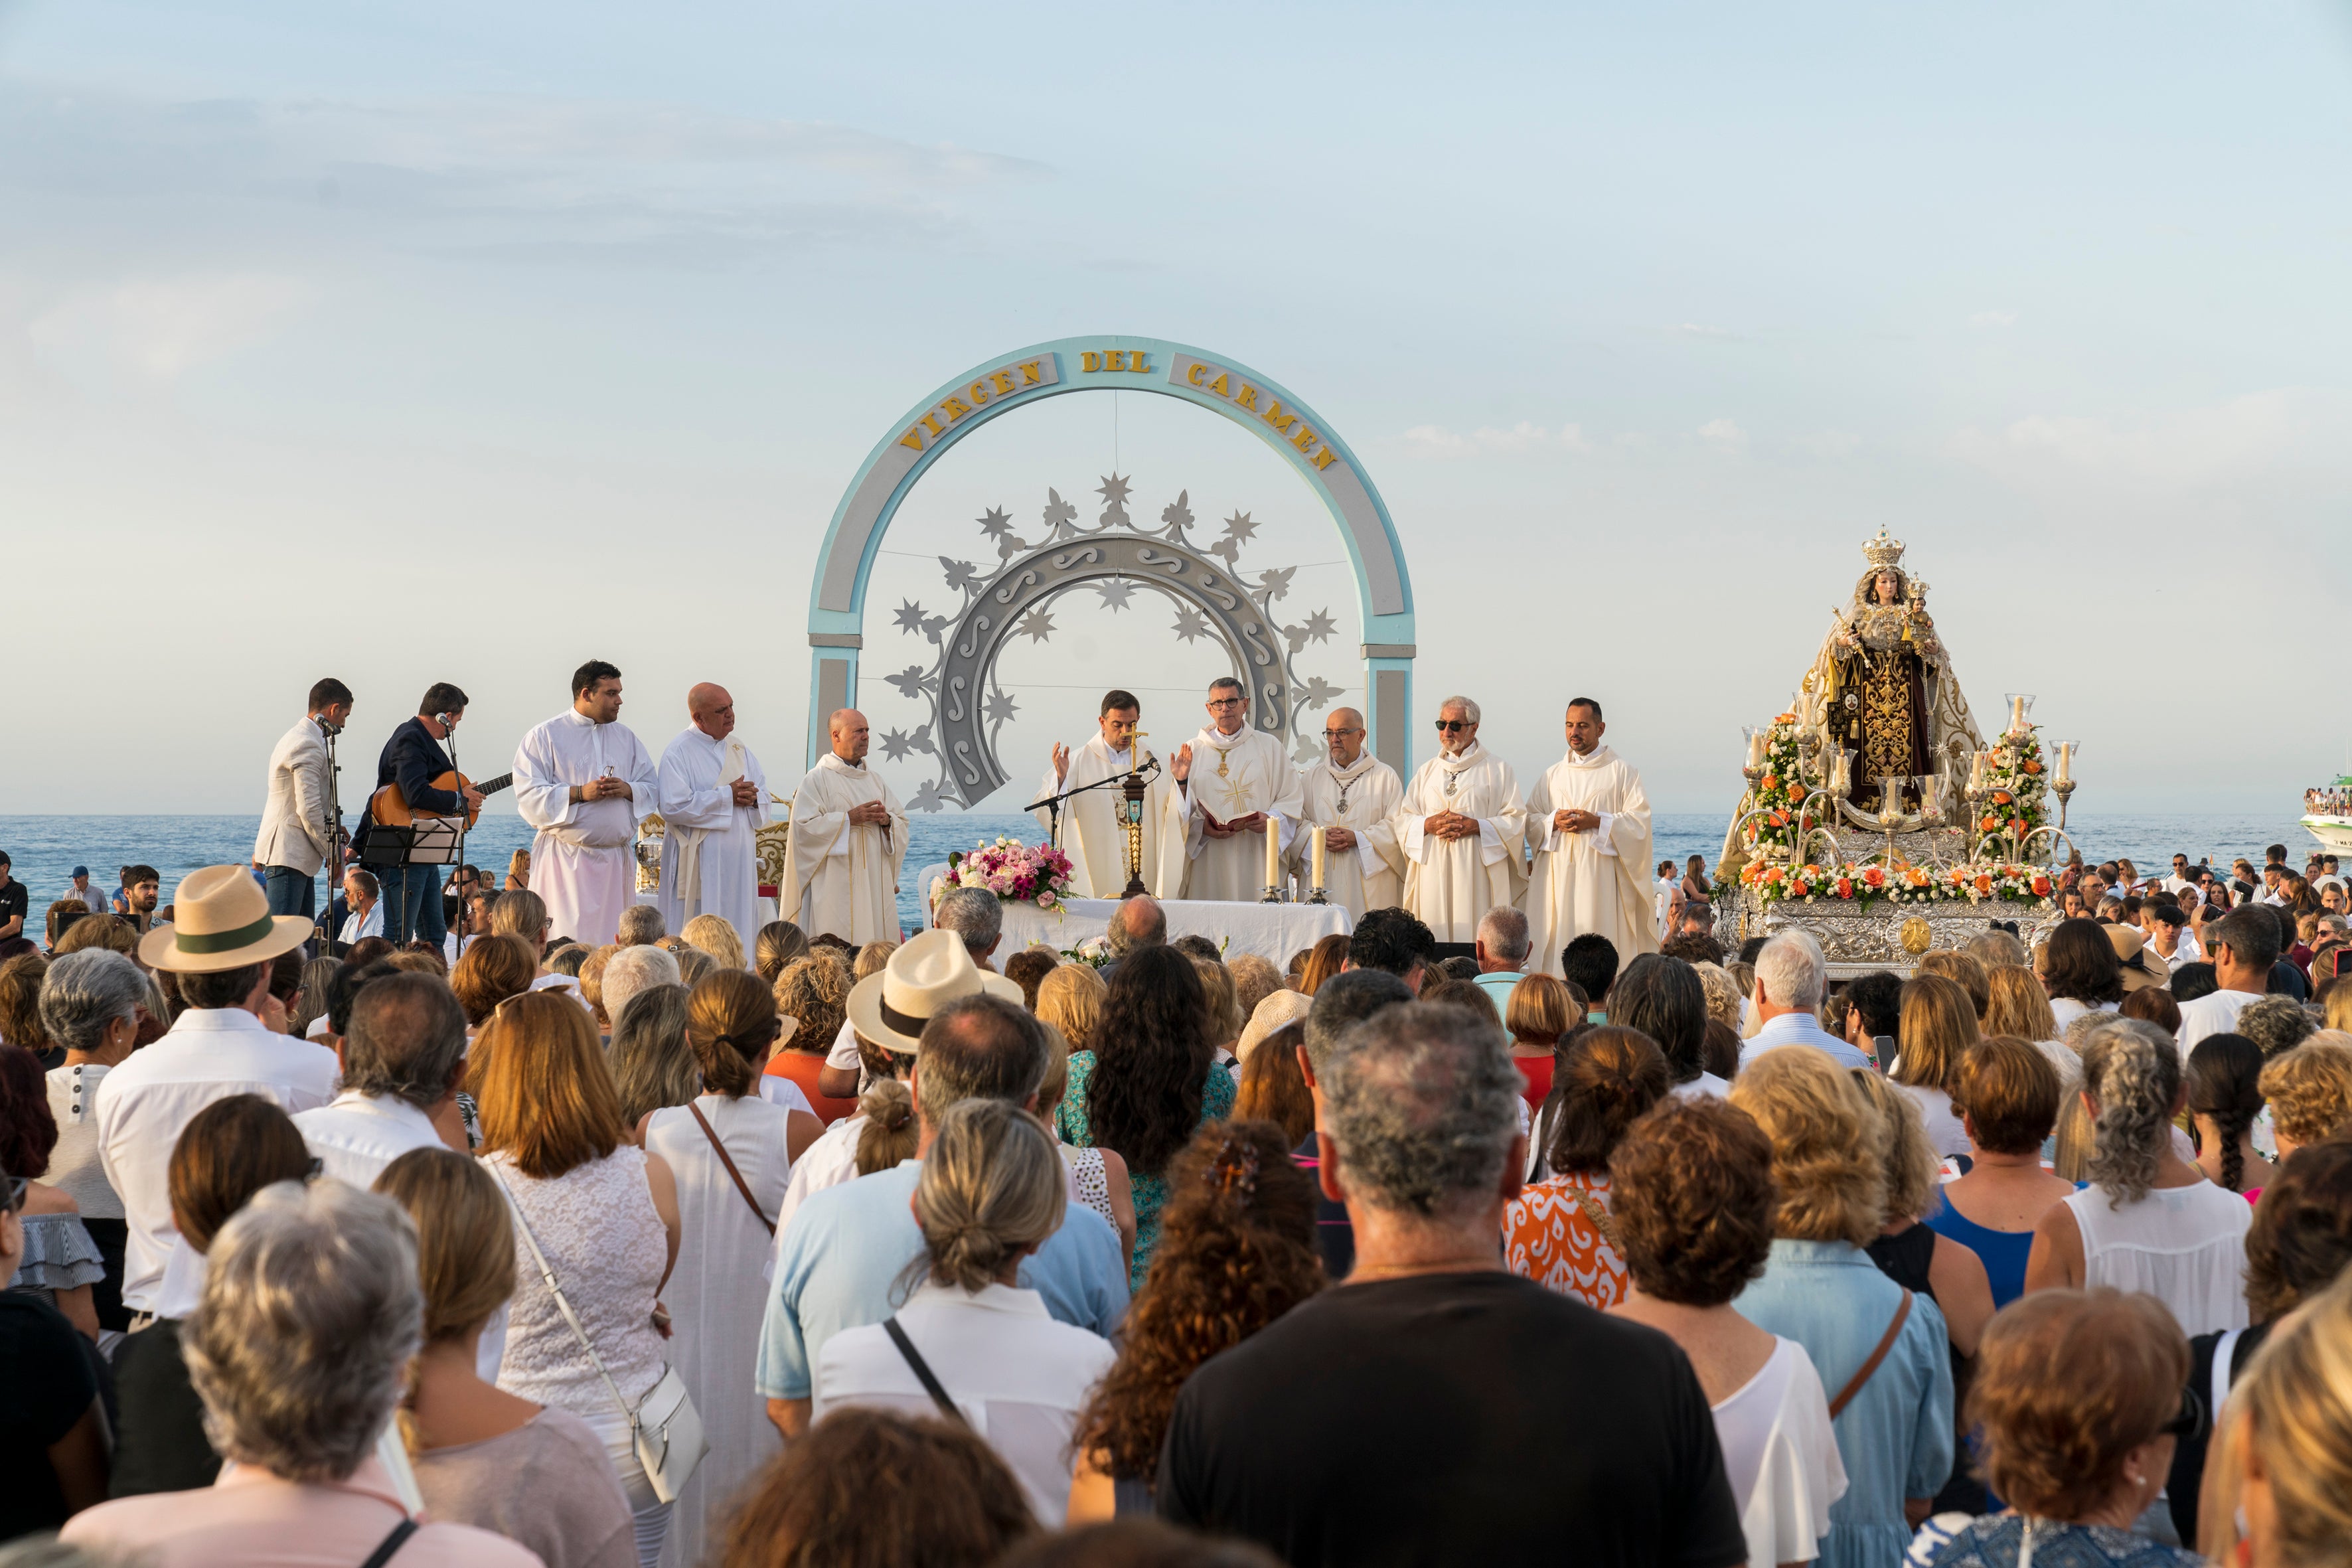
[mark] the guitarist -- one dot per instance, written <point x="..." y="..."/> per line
<point x="413" y="758"/>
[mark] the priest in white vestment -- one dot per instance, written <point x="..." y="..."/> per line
<point x="1350" y="797"/>
<point x="1590" y="825"/>
<point x="711" y="791"/>
<point x="1460" y="827"/>
<point x="849" y="839"/>
<point x="583" y="779"/>
<point x="1235" y="785"/>
<point x="1092" y="831"/>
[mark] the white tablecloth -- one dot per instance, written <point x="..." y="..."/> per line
<point x="1273" y="931"/>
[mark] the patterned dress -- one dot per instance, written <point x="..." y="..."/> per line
<point x="1151" y="1190"/>
<point x="1558" y="1232"/>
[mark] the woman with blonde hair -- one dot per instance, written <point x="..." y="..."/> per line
<point x="1223" y="1009"/>
<point x="1937" y="1025"/>
<point x="813" y="992"/>
<point x="601" y="1211"/>
<point x="1881" y="1350"/>
<point x="1538" y="1013"/>
<point x="469" y="1440"/>
<point x="1324" y="960"/>
<point x="715" y="935"/>
<point x="778" y="944"/>
<point x="731" y="1153"/>
<point x="1963" y="971"/>
<point x="1722" y="994"/>
<point x="652" y="1064"/>
<point x="1071" y="999"/>
<point x="2283" y="1457"/>
<point x="2149" y="1221"/>
<point x="991" y="1191"/>
<point x="490" y="970"/>
<point x="2309" y="1090"/>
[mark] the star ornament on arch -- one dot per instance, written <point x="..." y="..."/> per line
<point x="1114" y="490"/>
<point x="895" y="745"/>
<point x="1116" y="593"/>
<point x="909" y="617"/>
<point x="1190" y="624"/>
<point x="1036" y="625"/>
<point x="1239" y="527"/>
<point x="1001" y="706"/>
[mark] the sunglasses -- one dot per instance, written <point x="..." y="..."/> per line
<point x="1453" y="723"/>
<point x="2192" y="1423"/>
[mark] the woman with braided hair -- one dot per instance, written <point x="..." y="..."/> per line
<point x="1237" y="1251"/>
<point x="731" y="1152"/>
<point x="969" y="1345"/>
<point x="2225" y="1095"/>
<point x="2149" y="1221"/>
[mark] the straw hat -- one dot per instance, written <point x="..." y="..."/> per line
<point x="1277" y="1012"/>
<point x="2142" y="969"/>
<point x="221" y="920"/>
<point x="891" y="1005"/>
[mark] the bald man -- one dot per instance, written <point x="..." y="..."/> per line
<point x="1348" y="795"/>
<point x="713" y="795"/>
<point x="849" y="840"/>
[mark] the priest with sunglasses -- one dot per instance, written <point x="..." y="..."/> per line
<point x="1461" y="827"/>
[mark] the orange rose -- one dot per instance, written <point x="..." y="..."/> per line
<point x="1796" y="793"/>
<point x="1771" y="781"/>
<point x="2033" y="767"/>
<point x="1984" y="884"/>
<point x="1799" y="889"/>
<point x="2041" y="886"/>
<point x="2017" y="825"/>
<point x="1989" y="824"/>
<point x="2002" y="797"/>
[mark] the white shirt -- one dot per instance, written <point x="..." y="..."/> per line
<point x="1705" y="1083"/>
<point x="356" y="1135"/>
<point x="1019" y="1378"/>
<point x="2214" y="1014"/>
<point x="142" y="1104"/>
<point x="1781" y="1457"/>
<point x="358" y="926"/>
<point x="2066" y="1009"/>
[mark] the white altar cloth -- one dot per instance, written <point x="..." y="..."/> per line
<point x="1273" y="931"/>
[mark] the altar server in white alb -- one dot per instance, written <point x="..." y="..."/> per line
<point x="1350" y="797"/>
<point x="583" y="779"/>
<point x="1590" y="825"/>
<point x="713" y="788"/>
<point x="849" y="839"/>
<point x="1092" y="834"/>
<point x="1236" y="787"/>
<point x="1461" y="826"/>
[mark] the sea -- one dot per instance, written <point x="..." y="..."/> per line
<point x="45" y="850"/>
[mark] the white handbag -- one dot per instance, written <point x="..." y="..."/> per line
<point x="664" y="1427"/>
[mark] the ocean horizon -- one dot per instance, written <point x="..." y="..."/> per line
<point x="44" y="849"/>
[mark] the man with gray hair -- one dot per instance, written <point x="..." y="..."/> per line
<point x="1233" y="785"/>
<point x="404" y="1057"/>
<point x="1460" y="828"/>
<point x="1791" y="978"/>
<point x="1503" y="948"/>
<point x="1342" y="1003"/>
<point x="641" y="926"/>
<point x="976" y="915"/>
<point x="632" y="969"/>
<point x="840" y="1256"/>
<point x="1138" y="923"/>
<point x="1475" y="1364"/>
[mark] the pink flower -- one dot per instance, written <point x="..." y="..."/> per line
<point x="1045" y="900"/>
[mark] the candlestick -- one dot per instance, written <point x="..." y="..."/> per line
<point x="1274" y="859"/>
<point x="1755" y="747"/>
<point x="2016" y="714"/>
<point x="1316" y="858"/>
<point x="2065" y="774"/>
<point x="1842" y="775"/>
<point x="1976" y="773"/>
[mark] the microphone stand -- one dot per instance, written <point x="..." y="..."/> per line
<point x="464" y="821"/>
<point x="1053" y="803"/>
<point x="322" y="928"/>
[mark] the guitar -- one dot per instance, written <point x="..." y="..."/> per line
<point x="389" y="807"/>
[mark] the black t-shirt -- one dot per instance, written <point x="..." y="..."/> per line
<point x="16" y="899"/>
<point x="44" y="1387"/>
<point x="163" y="1446"/>
<point x="1335" y="1234"/>
<point x="1453" y="1418"/>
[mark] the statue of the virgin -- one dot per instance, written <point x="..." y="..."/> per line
<point x="1889" y="693"/>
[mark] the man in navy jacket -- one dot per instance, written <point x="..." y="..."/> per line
<point x="413" y="758"/>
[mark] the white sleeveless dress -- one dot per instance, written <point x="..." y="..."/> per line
<point x="2184" y="1246"/>
<point x="717" y="1296"/>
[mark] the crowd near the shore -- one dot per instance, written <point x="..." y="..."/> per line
<point x="507" y="1249"/>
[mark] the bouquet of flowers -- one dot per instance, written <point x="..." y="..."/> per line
<point x="2017" y="790"/>
<point x="1864" y="884"/>
<point x="1015" y="872"/>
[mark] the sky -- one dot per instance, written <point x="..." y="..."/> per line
<point x="451" y="342"/>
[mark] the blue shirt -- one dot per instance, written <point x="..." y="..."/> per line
<point x="1498" y="984"/>
<point x="1799" y="1030"/>
<point x="1896" y="1434"/>
<point x="846" y="1247"/>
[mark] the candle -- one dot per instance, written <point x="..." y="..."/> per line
<point x="1976" y="773"/>
<point x="1274" y="851"/>
<point x="2065" y="761"/>
<point x="1755" y="749"/>
<point x="2017" y="714"/>
<point x="1927" y="783"/>
<point x="1318" y="880"/>
<point x="1841" y="774"/>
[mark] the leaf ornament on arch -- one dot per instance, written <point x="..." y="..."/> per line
<point x="1059" y="514"/>
<point x="914" y="682"/>
<point x="961" y="575"/>
<point x="927" y="798"/>
<point x="1275" y="582"/>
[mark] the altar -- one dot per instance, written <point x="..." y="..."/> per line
<point x="1273" y="931"/>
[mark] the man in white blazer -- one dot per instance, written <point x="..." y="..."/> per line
<point x="295" y="839"/>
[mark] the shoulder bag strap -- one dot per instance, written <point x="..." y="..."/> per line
<point x="563" y="1304"/>
<point x="1597" y="1217"/>
<point x="1885" y="1343"/>
<point x="923" y="1373"/>
<point x="742" y="1185"/>
<point x="2225" y="1352"/>
<point x="389" y="1547"/>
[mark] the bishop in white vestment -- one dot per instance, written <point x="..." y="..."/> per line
<point x="1092" y="834"/>
<point x="1235" y="786"/>
<point x="1460" y="827"/>
<point x="1590" y="825"/>
<point x="1350" y="797"/>
<point x="583" y="779"/>
<point x="711" y="793"/>
<point x="849" y="839"/>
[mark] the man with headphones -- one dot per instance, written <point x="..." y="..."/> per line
<point x="413" y="758"/>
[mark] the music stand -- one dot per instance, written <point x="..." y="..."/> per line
<point x="428" y="841"/>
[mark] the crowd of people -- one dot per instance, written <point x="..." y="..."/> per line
<point x="677" y="1250"/>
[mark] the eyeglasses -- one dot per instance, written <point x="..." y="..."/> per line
<point x="1453" y="723"/>
<point x="1339" y="734"/>
<point x="1230" y="702"/>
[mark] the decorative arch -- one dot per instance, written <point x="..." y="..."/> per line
<point x="1224" y="385"/>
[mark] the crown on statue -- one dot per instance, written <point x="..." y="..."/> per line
<point x="1883" y="551"/>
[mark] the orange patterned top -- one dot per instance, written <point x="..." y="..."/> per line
<point x="1558" y="1233"/>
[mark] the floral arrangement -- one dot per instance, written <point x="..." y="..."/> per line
<point x="1864" y="884"/>
<point x="1781" y="795"/>
<point x="1015" y="872"/>
<point x="2017" y="783"/>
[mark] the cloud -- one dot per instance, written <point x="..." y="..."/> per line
<point x="160" y="328"/>
<point x="1436" y="441"/>
<point x="1830" y="443"/>
<point x="1712" y="334"/>
<point x="1993" y="319"/>
<point x="2259" y="438"/>
<point x="1724" y="437"/>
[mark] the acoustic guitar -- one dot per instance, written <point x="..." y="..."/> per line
<point x="389" y="806"/>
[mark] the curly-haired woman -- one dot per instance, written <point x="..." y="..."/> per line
<point x="2149" y="1221"/>
<point x="1557" y="1231"/>
<point x="1148" y="1082"/>
<point x="1237" y="1251"/>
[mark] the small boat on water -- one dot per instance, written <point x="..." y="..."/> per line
<point x="2328" y="814"/>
